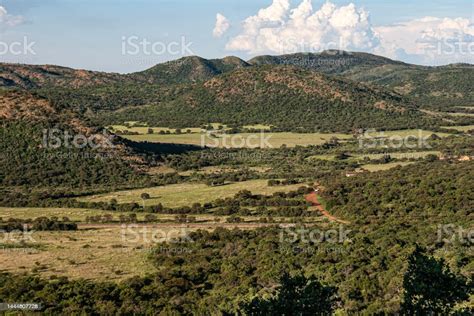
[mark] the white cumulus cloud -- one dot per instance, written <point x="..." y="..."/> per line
<point x="281" y="29"/>
<point x="222" y="25"/>
<point x="429" y="40"/>
<point x="8" y="20"/>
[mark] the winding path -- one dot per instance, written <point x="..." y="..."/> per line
<point x="313" y="199"/>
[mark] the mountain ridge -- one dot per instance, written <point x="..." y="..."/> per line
<point x="436" y="87"/>
<point x="431" y="87"/>
<point x="34" y="76"/>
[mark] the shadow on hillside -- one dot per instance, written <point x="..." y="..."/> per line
<point x="162" y="148"/>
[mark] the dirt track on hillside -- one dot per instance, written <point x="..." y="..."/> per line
<point x="313" y="199"/>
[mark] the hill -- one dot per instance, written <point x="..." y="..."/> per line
<point x="184" y="93"/>
<point x="445" y="85"/>
<point x="329" y="62"/>
<point x="288" y="97"/>
<point x="40" y="76"/>
<point x="50" y="153"/>
<point x="435" y="87"/>
<point x="189" y="69"/>
<point x="183" y="70"/>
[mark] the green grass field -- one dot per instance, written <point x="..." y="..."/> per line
<point x="104" y="252"/>
<point x="385" y="166"/>
<point x="198" y="137"/>
<point x="74" y="214"/>
<point x="460" y="128"/>
<point x="448" y="114"/>
<point x="77" y="214"/>
<point x="97" y="254"/>
<point x="408" y="132"/>
<point x="254" y="140"/>
<point x="258" y="126"/>
<point x="460" y="114"/>
<point x="178" y="195"/>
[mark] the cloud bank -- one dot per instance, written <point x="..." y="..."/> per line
<point x="281" y="29"/>
<point x="429" y="40"/>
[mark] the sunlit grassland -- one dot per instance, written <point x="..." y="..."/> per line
<point x="91" y="254"/>
<point x="461" y="128"/>
<point x="385" y="166"/>
<point x="258" y="126"/>
<point x="264" y="139"/>
<point x="109" y="252"/>
<point x="186" y="194"/>
<point x="79" y="215"/>
<point x="448" y="114"/>
<point x="408" y="132"/>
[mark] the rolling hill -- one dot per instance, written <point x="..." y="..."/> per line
<point x="43" y="151"/>
<point x="184" y="70"/>
<point x="356" y="90"/>
<point x="41" y="76"/>
<point x="288" y="97"/>
<point x="329" y="62"/>
<point x="189" y="69"/>
<point x="430" y="86"/>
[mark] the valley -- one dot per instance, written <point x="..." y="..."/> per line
<point x="198" y="185"/>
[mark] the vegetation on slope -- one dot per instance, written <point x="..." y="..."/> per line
<point x="287" y="97"/>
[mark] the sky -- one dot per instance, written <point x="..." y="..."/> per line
<point x="133" y="35"/>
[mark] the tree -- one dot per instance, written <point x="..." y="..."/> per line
<point x="430" y="288"/>
<point x="297" y="295"/>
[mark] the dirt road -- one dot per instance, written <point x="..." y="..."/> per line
<point x="313" y="199"/>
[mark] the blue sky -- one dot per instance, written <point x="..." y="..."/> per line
<point x="90" y="34"/>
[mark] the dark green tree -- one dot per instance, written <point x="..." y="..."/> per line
<point x="297" y="295"/>
<point x="430" y="288"/>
